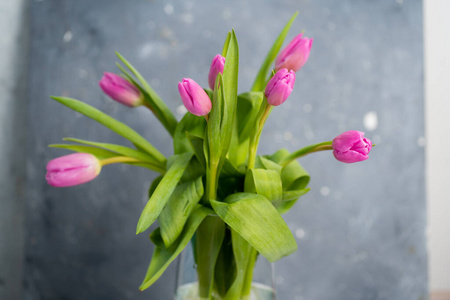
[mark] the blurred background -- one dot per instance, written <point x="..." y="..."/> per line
<point x="375" y="230"/>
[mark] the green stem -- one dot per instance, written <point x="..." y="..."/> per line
<point x="211" y="181"/>
<point x="304" y="151"/>
<point x="263" y="113"/>
<point x="126" y="159"/>
<point x="247" y="287"/>
<point x="118" y="159"/>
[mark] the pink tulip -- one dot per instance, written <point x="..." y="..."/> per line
<point x="295" y="54"/>
<point x="72" y="169"/>
<point x="351" y="146"/>
<point x="280" y="87"/>
<point x="194" y="97"/>
<point x="217" y="65"/>
<point x="121" y="90"/>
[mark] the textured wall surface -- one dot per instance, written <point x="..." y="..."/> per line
<point x="360" y="230"/>
<point x="13" y="98"/>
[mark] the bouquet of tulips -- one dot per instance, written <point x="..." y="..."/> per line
<point x="215" y="190"/>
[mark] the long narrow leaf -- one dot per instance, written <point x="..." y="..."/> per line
<point x="97" y="152"/>
<point x="121" y="150"/>
<point x="178" y="208"/>
<point x="111" y="123"/>
<point x="159" y="108"/>
<point x="163" y="192"/>
<point x="230" y="88"/>
<point x="260" y="80"/>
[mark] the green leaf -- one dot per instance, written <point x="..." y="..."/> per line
<point x="254" y="218"/>
<point x="247" y="109"/>
<point x="225" y="44"/>
<point x="248" y="105"/>
<point x="225" y="272"/>
<point x="197" y="145"/>
<point x="189" y="124"/>
<point x="162" y="256"/>
<point x="243" y="253"/>
<point x="260" y="80"/>
<point x="266" y="183"/>
<point x="294" y="177"/>
<point x="295" y="194"/>
<point x="268" y="164"/>
<point x="111" y="123"/>
<point x="97" y="152"/>
<point x="163" y="192"/>
<point x="289" y="199"/>
<point x="178" y="208"/>
<point x="208" y="241"/>
<point x="126" y="151"/>
<point x="158" y="107"/>
<point x="230" y="88"/>
<point x="154" y="185"/>
<point x="230" y="171"/>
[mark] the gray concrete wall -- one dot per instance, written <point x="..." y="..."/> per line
<point x="13" y="97"/>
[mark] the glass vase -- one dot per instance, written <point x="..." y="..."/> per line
<point x="262" y="287"/>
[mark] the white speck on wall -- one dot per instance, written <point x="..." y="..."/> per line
<point x="287" y="136"/>
<point x="188" y="18"/>
<point x="324" y="191"/>
<point x="168" y="9"/>
<point x="181" y="110"/>
<point x="300" y="233"/>
<point x="67" y="37"/>
<point x="146" y="50"/>
<point x="399" y="1"/>
<point x="307" y="108"/>
<point x="371" y="120"/>
<point x="421" y="141"/>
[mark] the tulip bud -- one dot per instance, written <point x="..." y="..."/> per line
<point x="72" y="169"/>
<point x="217" y="65"/>
<point x="280" y="87"/>
<point x="194" y="97"/>
<point x="351" y="146"/>
<point x="121" y="90"/>
<point x="295" y="54"/>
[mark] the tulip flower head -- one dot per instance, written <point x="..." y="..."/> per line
<point x="351" y="146"/>
<point x="121" y="90"/>
<point x="217" y="65"/>
<point x="295" y="54"/>
<point x="280" y="87"/>
<point x="194" y="97"/>
<point x="72" y="169"/>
